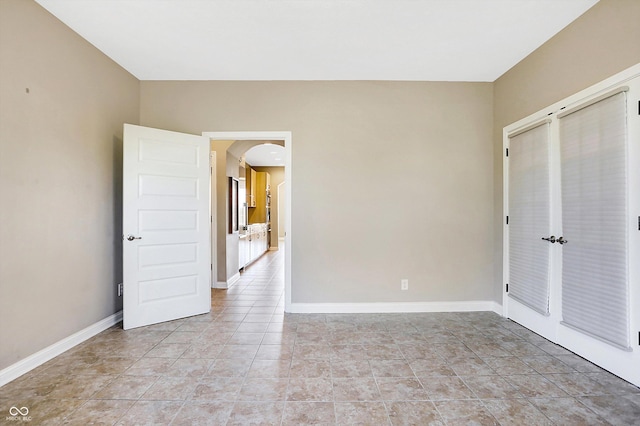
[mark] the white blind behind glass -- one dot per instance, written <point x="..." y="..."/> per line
<point x="594" y="218"/>
<point x="529" y="218"/>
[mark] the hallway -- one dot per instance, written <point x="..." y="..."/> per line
<point x="248" y="363"/>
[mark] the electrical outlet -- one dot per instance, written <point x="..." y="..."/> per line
<point x="119" y="289"/>
<point x="404" y="284"/>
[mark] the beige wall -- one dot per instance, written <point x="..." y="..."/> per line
<point x="226" y="167"/>
<point x="60" y="180"/>
<point x="390" y="180"/>
<point x="277" y="177"/>
<point x="602" y="42"/>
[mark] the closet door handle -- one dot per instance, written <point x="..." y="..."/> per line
<point x="551" y="239"/>
<point x="562" y="241"/>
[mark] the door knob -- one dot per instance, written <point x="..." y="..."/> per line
<point x="562" y="240"/>
<point x="131" y="237"/>
<point x="551" y="239"/>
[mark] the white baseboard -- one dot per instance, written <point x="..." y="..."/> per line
<point x="16" y="370"/>
<point x="398" y="307"/>
<point x="227" y="284"/>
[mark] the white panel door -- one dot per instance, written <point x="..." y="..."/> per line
<point x="166" y="226"/>
<point x="530" y="237"/>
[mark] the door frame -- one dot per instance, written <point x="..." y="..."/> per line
<point x="284" y="136"/>
<point x="599" y="353"/>
<point x="213" y="203"/>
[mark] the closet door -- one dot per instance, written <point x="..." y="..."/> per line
<point x="596" y="300"/>
<point x="572" y="242"/>
<point x="595" y="296"/>
<point x="530" y="238"/>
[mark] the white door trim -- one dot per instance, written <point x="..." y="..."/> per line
<point x="286" y="137"/>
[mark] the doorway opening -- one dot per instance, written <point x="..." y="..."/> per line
<point x="243" y="141"/>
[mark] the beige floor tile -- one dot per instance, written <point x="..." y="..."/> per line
<point x="535" y="386"/>
<point x="239" y="338"/>
<point x="99" y="412"/>
<point x="356" y="389"/>
<point x="256" y="413"/>
<point x="274" y="352"/>
<point x="402" y="388"/>
<point x="238" y="352"/>
<point x="614" y="384"/>
<point x="126" y="387"/>
<point x="485" y="387"/>
<point x="579" y="364"/>
<point x="507" y="366"/>
<point x="383" y="351"/>
<point x="310" y="368"/>
<point x="547" y="364"/>
<point x="309" y="413"/>
<point x="306" y="389"/>
<point x="567" y="411"/>
<point x="229" y="367"/>
<point x="577" y="384"/>
<point x="361" y="413"/>
<point x="351" y="368"/>
<point x="516" y="411"/>
<point x="616" y="409"/>
<point x="419" y="351"/>
<point x="210" y="413"/>
<point x="170" y="389"/>
<point x="151" y="413"/>
<point x="446" y="388"/>
<point x="82" y="387"/>
<point x="416" y="413"/>
<point x="167" y="350"/>
<point x="311" y="352"/>
<point x="270" y="368"/>
<point x="347" y="352"/>
<point x="259" y="389"/>
<point x="217" y="389"/>
<point x="471" y="367"/>
<point x="391" y="368"/>
<point x="465" y="412"/>
<point x="185" y="367"/>
<point x="431" y="367"/>
<point x="182" y="337"/>
<point x="202" y="350"/>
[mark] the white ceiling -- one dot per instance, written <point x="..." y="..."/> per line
<point x="265" y="155"/>
<point x="428" y="40"/>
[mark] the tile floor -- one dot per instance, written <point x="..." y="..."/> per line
<point x="248" y="363"/>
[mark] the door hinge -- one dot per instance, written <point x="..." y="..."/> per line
<point x="507" y="287"/>
<point x="507" y="152"/>
<point x="507" y="220"/>
<point x="638" y="107"/>
<point x="212" y="266"/>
